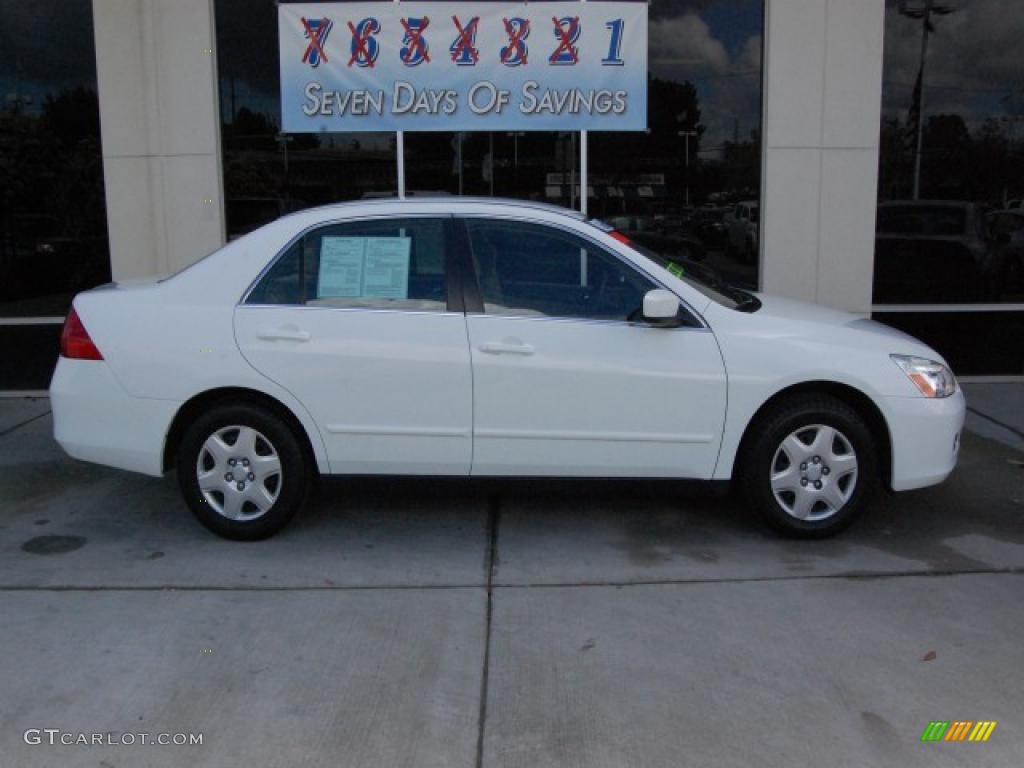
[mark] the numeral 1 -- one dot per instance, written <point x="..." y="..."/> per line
<point x="614" y="58"/>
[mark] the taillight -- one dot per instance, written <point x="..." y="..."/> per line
<point x="620" y="237"/>
<point x="75" y="342"/>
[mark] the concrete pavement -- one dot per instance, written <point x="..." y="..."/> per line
<point x="341" y="677"/>
<point x="425" y="622"/>
<point x="810" y="672"/>
<point x="996" y="411"/>
<point x="16" y="412"/>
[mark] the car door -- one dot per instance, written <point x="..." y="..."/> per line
<point x="567" y="380"/>
<point x="359" y="321"/>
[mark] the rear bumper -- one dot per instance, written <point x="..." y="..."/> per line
<point x="95" y="420"/>
<point x="925" y="438"/>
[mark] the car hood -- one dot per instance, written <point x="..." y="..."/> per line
<point x="801" y="311"/>
<point x="814" y="321"/>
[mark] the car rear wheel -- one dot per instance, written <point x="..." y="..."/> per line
<point x="810" y="468"/>
<point x="242" y="471"/>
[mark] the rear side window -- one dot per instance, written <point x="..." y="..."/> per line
<point x="534" y="270"/>
<point x="376" y="264"/>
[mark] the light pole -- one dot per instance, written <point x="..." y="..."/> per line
<point x="686" y="135"/>
<point x="1011" y="121"/>
<point x="572" y="169"/>
<point x="924" y="13"/>
<point x="283" y="140"/>
<point x="516" y="135"/>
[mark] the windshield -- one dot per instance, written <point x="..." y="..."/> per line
<point x="700" y="277"/>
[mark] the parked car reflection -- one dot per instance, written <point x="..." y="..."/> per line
<point x="1006" y="229"/>
<point x="668" y="236"/>
<point x="42" y="265"/>
<point x="936" y="251"/>
<point x="709" y="226"/>
<point x="741" y="226"/>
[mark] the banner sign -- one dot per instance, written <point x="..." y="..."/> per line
<point x="463" y="66"/>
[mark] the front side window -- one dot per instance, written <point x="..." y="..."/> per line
<point x="534" y="270"/>
<point x="375" y="264"/>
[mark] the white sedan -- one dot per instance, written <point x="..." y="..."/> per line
<point x="484" y="337"/>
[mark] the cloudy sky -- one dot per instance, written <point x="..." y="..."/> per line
<point x="48" y="44"/>
<point x="715" y="44"/>
<point x="45" y="45"/>
<point x="975" y="60"/>
<point x="976" y="56"/>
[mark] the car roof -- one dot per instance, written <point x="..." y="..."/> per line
<point x="447" y="202"/>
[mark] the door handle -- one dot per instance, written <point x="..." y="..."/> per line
<point x="506" y="348"/>
<point x="284" y="334"/>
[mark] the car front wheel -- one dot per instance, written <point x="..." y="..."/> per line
<point x="242" y="471"/>
<point x="810" y="467"/>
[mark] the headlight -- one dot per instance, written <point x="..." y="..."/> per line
<point x="931" y="377"/>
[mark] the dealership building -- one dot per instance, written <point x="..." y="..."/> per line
<point x="866" y="155"/>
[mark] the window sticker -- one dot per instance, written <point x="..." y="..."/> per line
<point x="675" y="269"/>
<point x="364" y="267"/>
<point x="341" y="267"/>
<point x="386" y="271"/>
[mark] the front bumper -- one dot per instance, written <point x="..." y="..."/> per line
<point x="925" y="438"/>
<point x="95" y="420"/>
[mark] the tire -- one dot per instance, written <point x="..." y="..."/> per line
<point x="780" y="478"/>
<point x="253" y="504"/>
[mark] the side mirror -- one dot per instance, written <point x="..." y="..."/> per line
<point x="661" y="308"/>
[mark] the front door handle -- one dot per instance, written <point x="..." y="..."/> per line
<point x="506" y="348"/>
<point x="287" y="333"/>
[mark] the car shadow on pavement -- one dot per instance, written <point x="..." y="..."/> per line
<point x="68" y="523"/>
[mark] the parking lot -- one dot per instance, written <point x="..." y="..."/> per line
<point x="512" y="623"/>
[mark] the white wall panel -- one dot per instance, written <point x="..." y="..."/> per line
<point x="161" y="132"/>
<point x="823" y="69"/>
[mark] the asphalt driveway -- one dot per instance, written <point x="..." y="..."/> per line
<point x="467" y="623"/>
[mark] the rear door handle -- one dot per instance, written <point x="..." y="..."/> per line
<point x="284" y="334"/>
<point x="506" y="348"/>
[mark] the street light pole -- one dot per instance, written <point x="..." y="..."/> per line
<point x="1011" y="121"/>
<point x="924" y="13"/>
<point x="283" y="140"/>
<point x="686" y="135"/>
<point x="926" y="27"/>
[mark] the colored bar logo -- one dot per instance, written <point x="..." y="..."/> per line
<point x="958" y="730"/>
